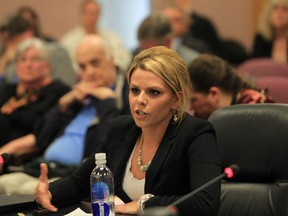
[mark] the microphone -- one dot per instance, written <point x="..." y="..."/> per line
<point x="229" y="172"/>
<point x="171" y="210"/>
<point x="4" y="157"/>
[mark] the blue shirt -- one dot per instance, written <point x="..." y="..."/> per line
<point x="72" y="141"/>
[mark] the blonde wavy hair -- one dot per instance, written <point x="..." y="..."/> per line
<point x="170" y="67"/>
<point x="265" y="28"/>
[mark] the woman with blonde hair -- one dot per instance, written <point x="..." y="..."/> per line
<point x="271" y="39"/>
<point x="157" y="155"/>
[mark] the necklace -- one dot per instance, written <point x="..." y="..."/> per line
<point x="143" y="167"/>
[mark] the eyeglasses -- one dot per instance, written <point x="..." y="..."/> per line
<point x="32" y="60"/>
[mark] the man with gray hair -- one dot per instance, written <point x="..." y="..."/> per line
<point x="71" y="130"/>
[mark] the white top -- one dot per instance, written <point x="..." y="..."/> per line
<point x="133" y="187"/>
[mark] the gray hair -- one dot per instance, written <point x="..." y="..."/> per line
<point x="35" y="43"/>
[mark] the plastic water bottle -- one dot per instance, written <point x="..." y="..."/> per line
<point x="102" y="188"/>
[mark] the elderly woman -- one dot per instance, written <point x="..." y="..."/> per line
<point x="23" y="103"/>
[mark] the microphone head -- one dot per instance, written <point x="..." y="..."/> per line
<point x="4" y="157"/>
<point x="232" y="170"/>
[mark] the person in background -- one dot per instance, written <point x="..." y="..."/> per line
<point x="90" y="11"/>
<point x="156" y="30"/>
<point x="157" y="155"/>
<point x="215" y="84"/>
<point x="203" y="28"/>
<point x="271" y="39"/>
<point x="180" y="22"/>
<point x="72" y="130"/>
<point x="30" y="14"/>
<point x="22" y="104"/>
<point x="18" y="29"/>
<point x="14" y="30"/>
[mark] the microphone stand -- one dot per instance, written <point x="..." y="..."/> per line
<point x="198" y="189"/>
<point x="229" y="172"/>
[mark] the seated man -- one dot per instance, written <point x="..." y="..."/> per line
<point x="22" y="104"/>
<point x="180" y="22"/>
<point x="156" y="30"/>
<point x="90" y="14"/>
<point x="215" y="84"/>
<point x="70" y="131"/>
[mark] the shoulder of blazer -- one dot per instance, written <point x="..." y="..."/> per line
<point x="195" y="125"/>
<point x="122" y="123"/>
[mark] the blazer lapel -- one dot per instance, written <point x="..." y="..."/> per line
<point x="124" y="149"/>
<point x="160" y="156"/>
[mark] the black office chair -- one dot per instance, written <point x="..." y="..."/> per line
<point x="256" y="138"/>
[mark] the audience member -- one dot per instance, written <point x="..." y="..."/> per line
<point x="90" y="13"/>
<point x="23" y="103"/>
<point x="30" y="14"/>
<point x="271" y="39"/>
<point x="159" y="150"/>
<point x="180" y="25"/>
<point x="156" y="30"/>
<point x="73" y="129"/>
<point x="13" y="31"/>
<point x="202" y="28"/>
<point x="215" y="84"/>
<point x="19" y="29"/>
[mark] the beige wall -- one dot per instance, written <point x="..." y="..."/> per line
<point x="56" y="16"/>
<point x="233" y="18"/>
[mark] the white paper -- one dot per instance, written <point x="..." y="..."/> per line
<point x="118" y="201"/>
<point x="78" y="212"/>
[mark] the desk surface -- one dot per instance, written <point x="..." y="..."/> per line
<point x="27" y="210"/>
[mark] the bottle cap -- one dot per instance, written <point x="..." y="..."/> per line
<point x="100" y="158"/>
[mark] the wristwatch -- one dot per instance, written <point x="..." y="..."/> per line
<point x="142" y="200"/>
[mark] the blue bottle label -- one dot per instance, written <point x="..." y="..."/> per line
<point x="100" y="209"/>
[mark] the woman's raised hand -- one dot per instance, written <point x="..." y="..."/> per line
<point x="42" y="193"/>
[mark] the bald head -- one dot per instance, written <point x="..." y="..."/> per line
<point x="95" y="61"/>
<point x="96" y="43"/>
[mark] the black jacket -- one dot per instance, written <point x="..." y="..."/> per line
<point x="186" y="158"/>
<point x="22" y="121"/>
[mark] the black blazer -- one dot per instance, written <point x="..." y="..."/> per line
<point x="186" y="158"/>
<point x="261" y="47"/>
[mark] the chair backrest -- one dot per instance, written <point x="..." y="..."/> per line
<point x="277" y="86"/>
<point x="256" y="138"/>
<point x="263" y="67"/>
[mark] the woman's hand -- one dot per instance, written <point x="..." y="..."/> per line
<point x="42" y="193"/>
<point x="128" y="208"/>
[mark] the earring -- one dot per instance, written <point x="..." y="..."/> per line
<point x="175" y="116"/>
